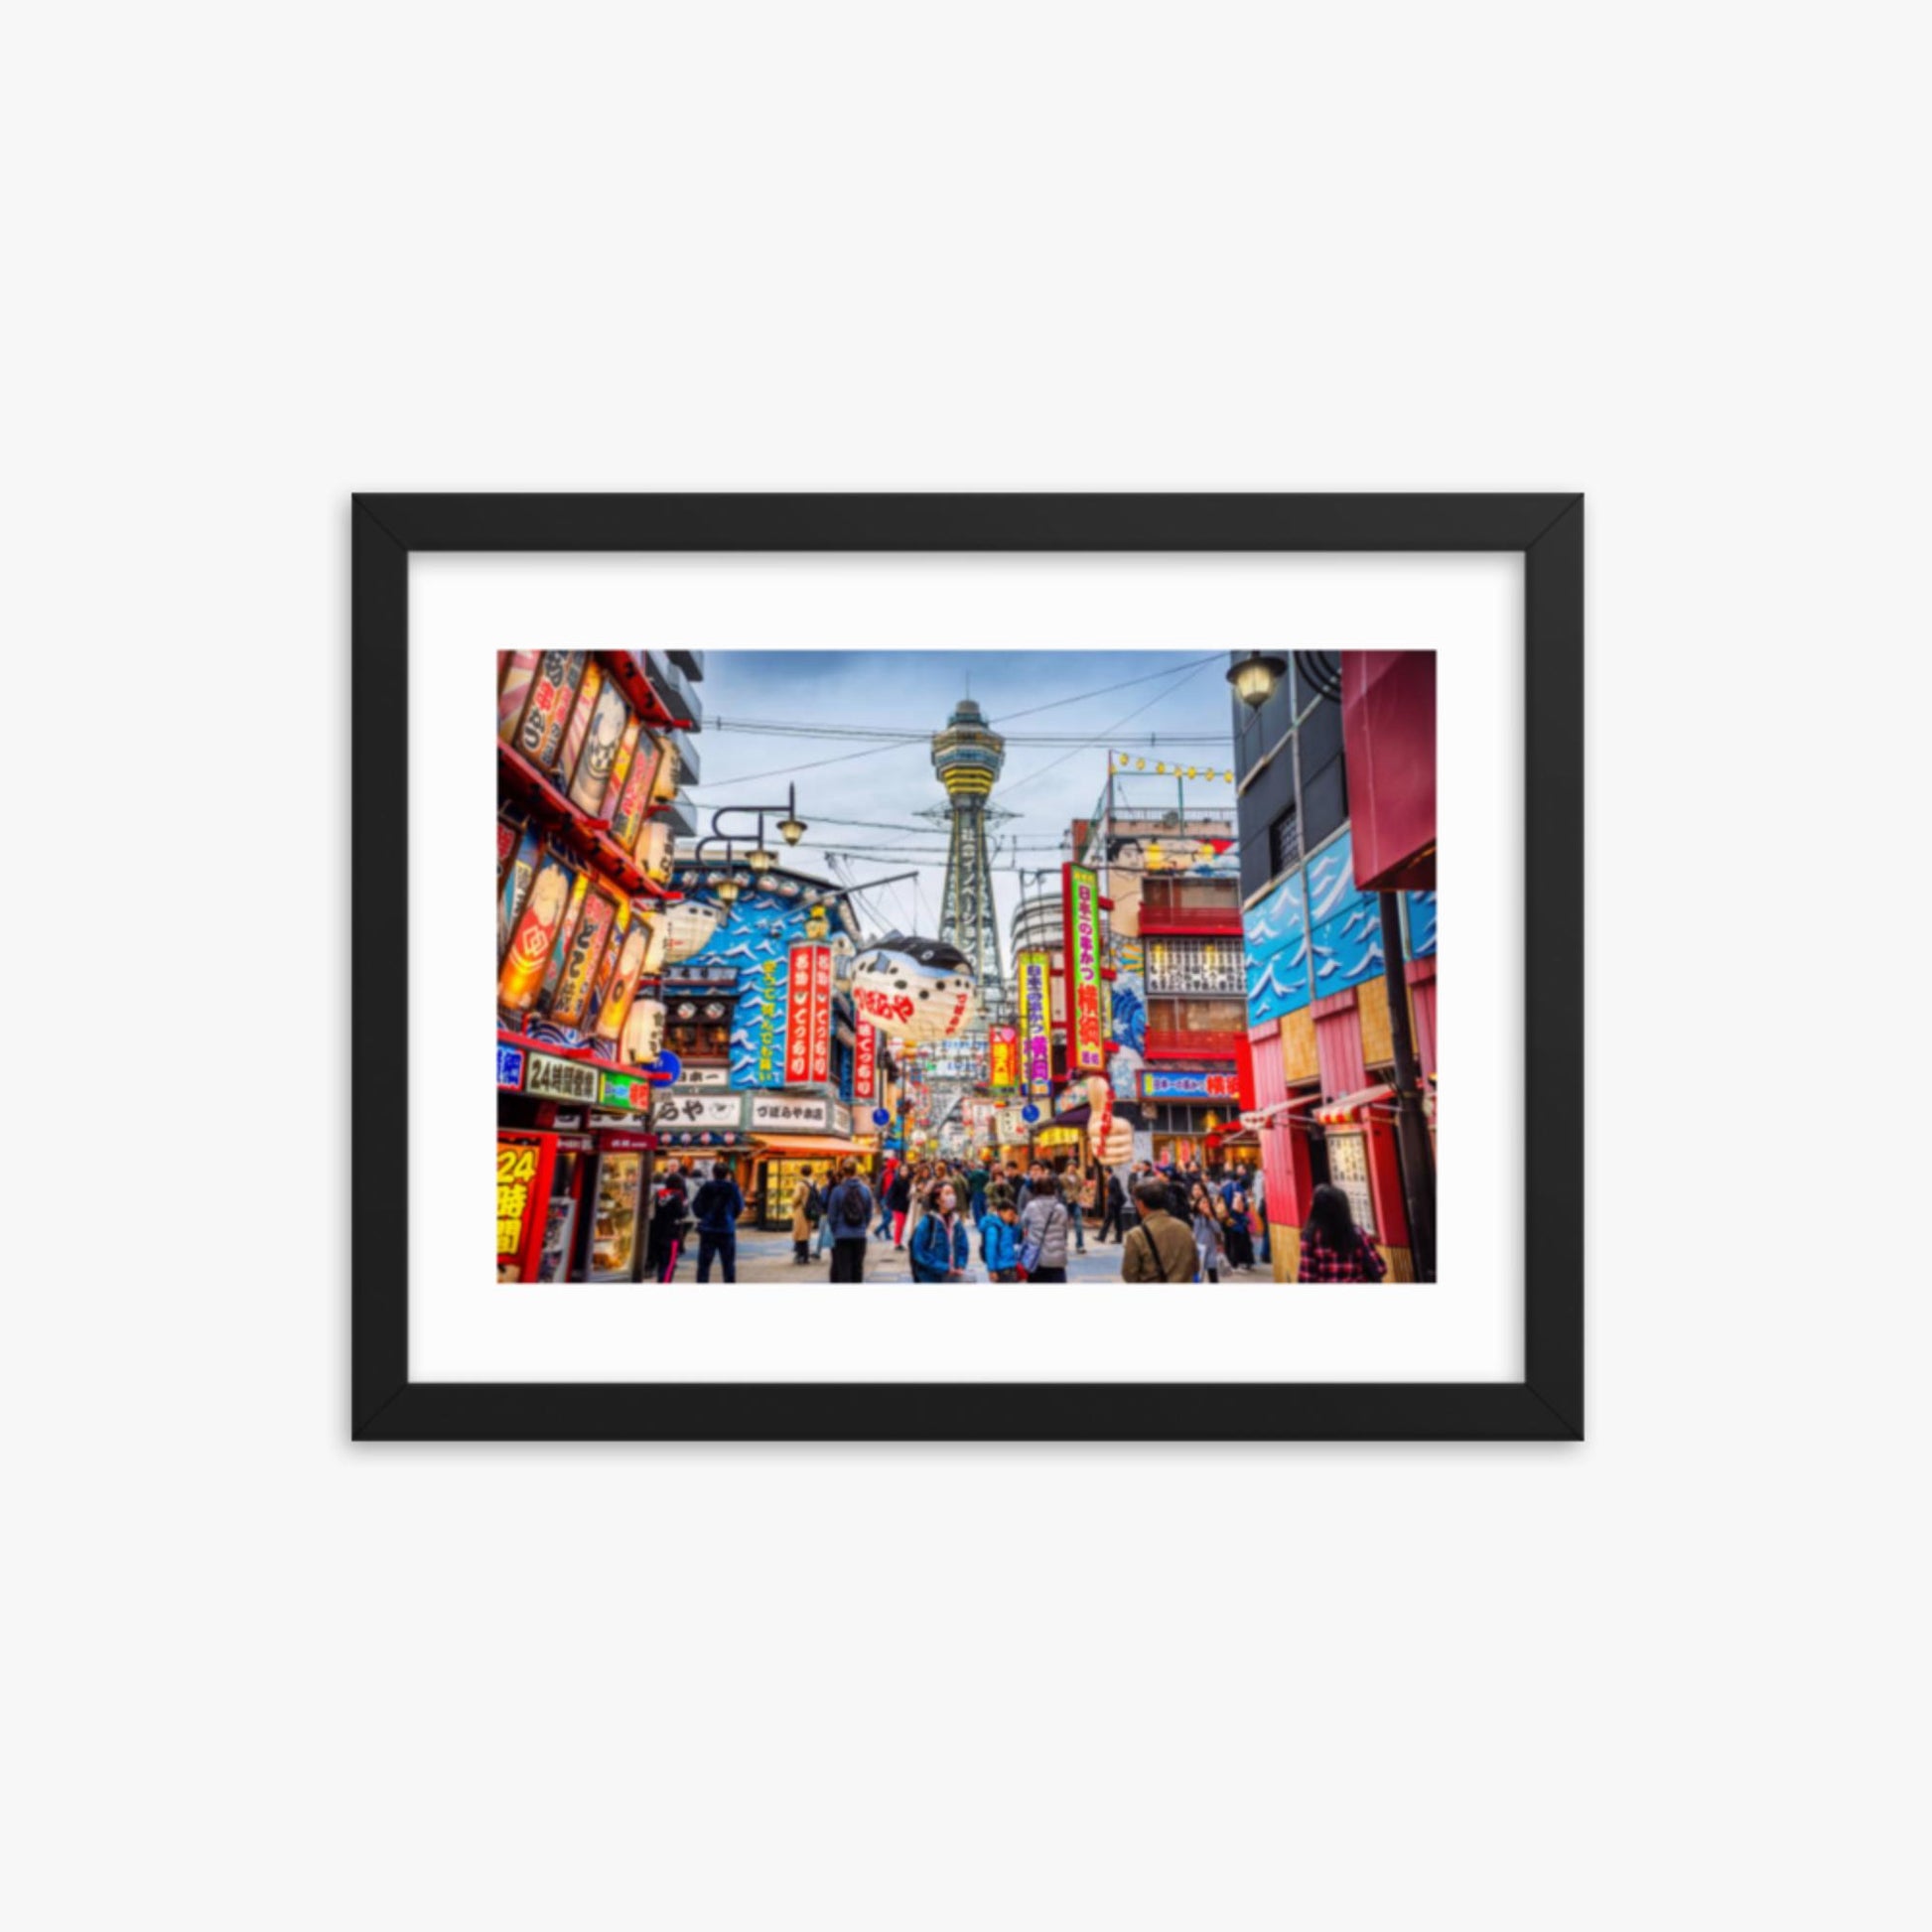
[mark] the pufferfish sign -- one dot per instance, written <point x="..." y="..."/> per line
<point x="914" y="989"/>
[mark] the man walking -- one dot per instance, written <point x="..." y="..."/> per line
<point x="849" y="1214"/>
<point x="716" y="1207"/>
<point x="1160" y="1248"/>
<point x="1116" y="1208"/>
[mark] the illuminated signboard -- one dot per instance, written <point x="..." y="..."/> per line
<point x="555" y="1079"/>
<point x="1086" y="1037"/>
<point x="808" y="1021"/>
<point x="523" y="1163"/>
<point x="627" y="1091"/>
<point x="1003" y="1050"/>
<point x="1182" y="1083"/>
<point x="779" y="1110"/>
<point x="510" y="1065"/>
<point x="865" y="1062"/>
<point x="1035" y="1017"/>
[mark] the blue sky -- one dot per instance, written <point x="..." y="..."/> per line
<point x="1182" y="695"/>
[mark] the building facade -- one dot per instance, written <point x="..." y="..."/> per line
<point x="1177" y="1016"/>
<point x="777" y="1074"/>
<point x="1327" y="862"/>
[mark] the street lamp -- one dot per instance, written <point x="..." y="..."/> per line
<point x="791" y="827"/>
<point x="1255" y="676"/>
<point x="761" y="858"/>
<point x="728" y="889"/>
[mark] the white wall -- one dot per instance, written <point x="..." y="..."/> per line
<point x="260" y="258"/>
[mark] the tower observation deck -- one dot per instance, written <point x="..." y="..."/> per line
<point x="968" y="755"/>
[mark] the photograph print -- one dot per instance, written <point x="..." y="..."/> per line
<point x="943" y="967"/>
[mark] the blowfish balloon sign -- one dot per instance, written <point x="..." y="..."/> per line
<point x="914" y="989"/>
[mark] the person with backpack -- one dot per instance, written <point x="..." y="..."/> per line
<point x="1043" y="1226"/>
<point x="1159" y="1248"/>
<point x="941" y="1249"/>
<point x="1333" y="1248"/>
<point x="849" y="1214"/>
<point x="670" y="1217"/>
<point x="716" y="1206"/>
<point x="804" y="1215"/>
<point x="999" y="1238"/>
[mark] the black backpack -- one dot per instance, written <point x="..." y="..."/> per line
<point x="855" y="1205"/>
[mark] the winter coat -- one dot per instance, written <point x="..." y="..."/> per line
<point x="1161" y="1249"/>
<point x="898" y="1196"/>
<point x="1046" y="1219"/>
<point x="933" y="1256"/>
<point x="835" y="1210"/>
<point x="718" y="1207"/>
<point x="1000" y="1244"/>
<point x="801" y="1222"/>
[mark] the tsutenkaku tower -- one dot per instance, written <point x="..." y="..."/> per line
<point x="968" y="755"/>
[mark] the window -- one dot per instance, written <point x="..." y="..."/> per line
<point x="1196" y="966"/>
<point x="1324" y="800"/>
<point x="1159" y="895"/>
<point x="1284" y="842"/>
<point x="1198" y="1016"/>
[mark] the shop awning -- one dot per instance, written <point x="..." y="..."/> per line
<point x="1333" y="1112"/>
<point x="792" y="1147"/>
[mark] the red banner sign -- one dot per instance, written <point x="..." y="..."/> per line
<point x="808" y="1016"/>
<point x="865" y="1064"/>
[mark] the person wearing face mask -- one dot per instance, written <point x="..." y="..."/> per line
<point x="941" y="1249"/>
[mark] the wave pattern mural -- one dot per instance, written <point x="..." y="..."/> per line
<point x="1275" y="935"/>
<point x="756" y="939"/>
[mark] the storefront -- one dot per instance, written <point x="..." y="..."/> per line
<point x="783" y="1160"/>
<point x="1187" y="1109"/>
<point x="1359" y="1137"/>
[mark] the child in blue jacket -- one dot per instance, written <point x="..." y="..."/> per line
<point x="1000" y="1242"/>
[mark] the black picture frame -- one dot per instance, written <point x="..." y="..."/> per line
<point x="1547" y="1403"/>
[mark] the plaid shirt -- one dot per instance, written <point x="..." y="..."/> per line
<point x="1322" y="1262"/>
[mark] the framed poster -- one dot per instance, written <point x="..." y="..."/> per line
<point x="1175" y="807"/>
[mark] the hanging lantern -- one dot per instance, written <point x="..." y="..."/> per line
<point x="760" y="859"/>
<point x="653" y="850"/>
<point x="657" y="946"/>
<point x="644" y="1032"/>
<point x="914" y="989"/>
<point x="688" y="927"/>
<point x="726" y="889"/>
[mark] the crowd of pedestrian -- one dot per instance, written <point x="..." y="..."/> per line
<point x="1173" y="1223"/>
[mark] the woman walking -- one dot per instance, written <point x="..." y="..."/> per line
<point x="1207" y="1211"/>
<point x="1043" y="1226"/>
<point x="802" y="1197"/>
<point x="1241" y="1238"/>
<point x="898" y="1196"/>
<point x="1333" y="1248"/>
<point x="941" y="1249"/>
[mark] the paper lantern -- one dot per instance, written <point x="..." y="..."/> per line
<point x="653" y="852"/>
<point x="688" y="927"/>
<point x="914" y="989"/>
<point x="657" y="946"/>
<point x="644" y="1032"/>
